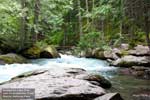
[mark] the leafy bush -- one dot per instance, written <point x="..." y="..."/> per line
<point x="91" y="40"/>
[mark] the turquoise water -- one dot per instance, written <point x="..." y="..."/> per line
<point x="9" y="71"/>
<point x="127" y="86"/>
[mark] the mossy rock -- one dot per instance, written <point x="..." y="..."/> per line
<point x="37" y="52"/>
<point x="32" y="53"/>
<point x="123" y="53"/>
<point x="49" y="52"/>
<point x="12" y="58"/>
<point x="126" y="64"/>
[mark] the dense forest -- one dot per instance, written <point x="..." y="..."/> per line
<point x="75" y="49"/>
<point x="82" y="23"/>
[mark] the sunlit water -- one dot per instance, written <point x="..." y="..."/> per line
<point x="126" y="85"/>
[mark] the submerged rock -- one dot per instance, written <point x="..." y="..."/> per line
<point x="141" y="72"/>
<point x="110" y="96"/>
<point x="12" y="58"/>
<point x="142" y="95"/>
<point x="57" y="84"/>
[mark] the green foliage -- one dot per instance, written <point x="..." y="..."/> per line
<point x="90" y="40"/>
<point x="55" y="38"/>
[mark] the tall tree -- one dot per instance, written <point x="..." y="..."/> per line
<point x="23" y="30"/>
<point x="80" y="18"/>
<point x="36" y="17"/>
<point x="146" y="21"/>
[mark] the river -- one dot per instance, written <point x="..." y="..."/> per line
<point x="126" y="85"/>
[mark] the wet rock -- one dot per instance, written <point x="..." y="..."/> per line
<point x="141" y="72"/>
<point x="101" y="54"/>
<point x="110" y="55"/>
<point x="142" y="95"/>
<point x="98" y="53"/>
<point x="32" y="52"/>
<point x="12" y="58"/>
<point x="49" y="52"/>
<point x="96" y="80"/>
<point x="140" y="50"/>
<point x="137" y="71"/>
<point x="36" y="52"/>
<point x="129" y="61"/>
<point x="110" y="96"/>
<point x="57" y="84"/>
<point x="88" y="53"/>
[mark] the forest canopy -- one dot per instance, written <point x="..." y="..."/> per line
<point x="83" y="23"/>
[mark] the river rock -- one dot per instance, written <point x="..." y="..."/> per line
<point x="96" y="79"/>
<point x="12" y="58"/>
<point x="110" y="55"/>
<point x="32" y="52"/>
<point x="57" y="84"/>
<point x="141" y="72"/>
<point x="49" y="52"/>
<point x="37" y="52"/>
<point x="140" y="50"/>
<point x="110" y="96"/>
<point x="124" y="46"/>
<point x="129" y="61"/>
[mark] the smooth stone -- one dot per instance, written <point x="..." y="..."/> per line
<point x="57" y="84"/>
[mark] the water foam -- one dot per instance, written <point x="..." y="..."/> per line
<point x="12" y="70"/>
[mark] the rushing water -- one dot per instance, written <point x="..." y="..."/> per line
<point x="126" y="85"/>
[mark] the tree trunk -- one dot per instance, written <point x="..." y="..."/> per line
<point x="36" y="17"/>
<point x="146" y="24"/>
<point x="87" y="10"/>
<point x="23" y="30"/>
<point x="79" y="19"/>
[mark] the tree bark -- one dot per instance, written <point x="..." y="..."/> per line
<point x="36" y="17"/>
<point x="146" y="24"/>
<point x="80" y="19"/>
<point x="23" y="30"/>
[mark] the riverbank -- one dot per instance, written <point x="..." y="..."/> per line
<point x="135" y="60"/>
<point x="119" y="84"/>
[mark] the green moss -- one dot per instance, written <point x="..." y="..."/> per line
<point x="12" y="58"/>
<point x="126" y="64"/>
<point x="124" y="53"/>
<point x="33" y="52"/>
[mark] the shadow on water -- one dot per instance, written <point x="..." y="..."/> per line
<point x="128" y="86"/>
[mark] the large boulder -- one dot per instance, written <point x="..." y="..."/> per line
<point x="97" y="80"/>
<point x="110" y="96"/>
<point x="49" y="52"/>
<point x="140" y="50"/>
<point x="57" y="84"/>
<point x="32" y="52"/>
<point x="107" y="54"/>
<point x="12" y="58"/>
<point x="37" y="52"/>
<point x="129" y="61"/>
<point x="98" y="53"/>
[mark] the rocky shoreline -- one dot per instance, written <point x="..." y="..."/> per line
<point x="74" y="83"/>
<point x="125" y="57"/>
<point x="64" y="84"/>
